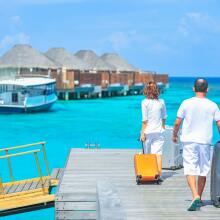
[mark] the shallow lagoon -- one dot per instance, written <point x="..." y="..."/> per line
<point x="111" y="122"/>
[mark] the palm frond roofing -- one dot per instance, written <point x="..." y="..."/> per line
<point x="118" y="62"/>
<point x="93" y="61"/>
<point x="24" y="56"/>
<point x="63" y="58"/>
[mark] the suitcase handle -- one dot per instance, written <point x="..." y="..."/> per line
<point x="142" y="145"/>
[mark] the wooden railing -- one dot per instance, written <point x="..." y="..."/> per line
<point x="35" y="152"/>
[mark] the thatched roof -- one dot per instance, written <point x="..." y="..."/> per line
<point x="24" y="56"/>
<point x="119" y="63"/>
<point x="93" y="61"/>
<point x="63" y="58"/>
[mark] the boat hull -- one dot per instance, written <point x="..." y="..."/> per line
<point x="22" y="109"/>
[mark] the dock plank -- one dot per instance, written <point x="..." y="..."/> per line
<point x="74" y="215"/>
<point x="85" y="167"/>
<point x="76" y="206"/>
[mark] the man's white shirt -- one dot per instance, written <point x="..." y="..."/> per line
<point x="198" y="115"/>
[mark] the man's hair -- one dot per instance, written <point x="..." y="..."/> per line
<point x="151" y="90"/>
<point x="201" y="85"/>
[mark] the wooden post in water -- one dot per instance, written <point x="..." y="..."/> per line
<point x="78" y="95"/>
<point x="66" y="96"/>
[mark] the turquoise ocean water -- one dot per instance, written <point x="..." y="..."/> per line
<point x="113" y="123"/>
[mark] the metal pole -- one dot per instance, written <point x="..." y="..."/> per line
<point x="9" y="166"/>
<point x="22" y="146"/>
<point x="1" y="186"/>
<point x="45" y="159"/>
<point x="39" y="170"/>
<point x="142" y="145"/>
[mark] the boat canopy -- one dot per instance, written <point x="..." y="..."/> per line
<point x="33" y="81"/>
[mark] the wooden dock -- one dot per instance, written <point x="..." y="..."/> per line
<point x="100" y="184"/>
<point x="23" y="194"/>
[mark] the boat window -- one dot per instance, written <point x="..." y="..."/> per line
<point x="14" y="97"/>
<point x="10" y="88"/>
<point x="36" y="90"/>
<point x="39" y="90"/>
<point x="24" y="91"/>
<point x="50" y="89"/>
<point x="3" y="88"/>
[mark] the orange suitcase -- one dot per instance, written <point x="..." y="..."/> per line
<point x="146" y="169"/>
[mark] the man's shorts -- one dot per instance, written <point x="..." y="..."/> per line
<point x="153" y="143"/>
<point x="196" y="159"/>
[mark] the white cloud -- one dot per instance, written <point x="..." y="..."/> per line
<point x="16" y="20"/>
<point x="198" y="23"/>
<point x="124" y="39"/>
<point x="119" y="40"/>
<point x="162" y="49"/>
<point x="194" y="15"/>
<point x="9" y="40"/>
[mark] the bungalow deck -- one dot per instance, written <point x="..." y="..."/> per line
<point x="100" y="184"/>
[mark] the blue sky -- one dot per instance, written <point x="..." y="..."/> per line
<point x="179" y="37"/>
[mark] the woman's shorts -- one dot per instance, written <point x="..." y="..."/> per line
<point x="153" y="143"/>
<point x="196" y="159"/>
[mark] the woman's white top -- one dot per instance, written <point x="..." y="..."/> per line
<point x="153" y="112"/>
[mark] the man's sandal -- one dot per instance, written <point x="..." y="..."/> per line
<point x="195" y="205"/>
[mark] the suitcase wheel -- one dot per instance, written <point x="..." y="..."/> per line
<point x="158" y="182"/>
<point x="173" y="168"/>
<point x="138" y="180"/>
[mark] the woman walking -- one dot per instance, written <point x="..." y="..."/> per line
<point x="153" y="122"/>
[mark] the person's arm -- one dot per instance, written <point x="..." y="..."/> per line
<point x="217" y="117"/>
<point x="218" y="125"/>
<point x="164" y="114"/>
<point x="179" y="119"/>
<point x="143" y="127"/>
<point x="144" y="120"/>
<point x="164" y="123"/>
<point x="176" y="128"/>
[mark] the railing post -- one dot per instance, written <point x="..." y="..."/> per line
<point x="39" y="170"/>
<point x="9" y="166"/>
<point x="1" y="186"/>
<point x="45" y="159"/>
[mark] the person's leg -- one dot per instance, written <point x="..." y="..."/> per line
<point x="159" y="163"/>
<point x="147" y="144"/>
<point x="201" y="185"/>
<point x="191" y="180"/>
<point x="204" y="165"/>
<point x="156" y="148"/>
<point x="191" y="166"/>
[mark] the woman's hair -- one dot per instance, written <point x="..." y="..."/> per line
<point x="151" y="90"/>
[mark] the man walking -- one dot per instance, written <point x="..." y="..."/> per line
<point x="197" y="114"/>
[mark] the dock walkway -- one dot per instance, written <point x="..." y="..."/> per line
<point x="78" y="194"/>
